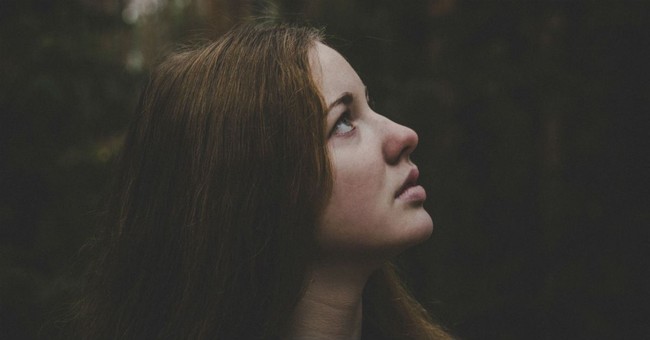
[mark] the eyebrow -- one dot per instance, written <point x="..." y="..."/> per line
<point x="346" y="98"/>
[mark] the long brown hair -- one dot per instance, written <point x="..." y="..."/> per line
<point x="224" y="172"/>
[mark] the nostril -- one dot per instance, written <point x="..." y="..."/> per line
<point x="399" y="142"/>
<point x="412" y="139"/>
<point x="409" y="141"/>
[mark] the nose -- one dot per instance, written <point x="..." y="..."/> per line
<point x="398" y="141"/>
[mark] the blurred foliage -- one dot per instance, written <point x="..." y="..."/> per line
<point x="532" y="119"/>
<point x="64" y="97"/>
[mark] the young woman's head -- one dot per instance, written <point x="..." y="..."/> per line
<point x="251" y="159"/>
<point x="375" y="209"/>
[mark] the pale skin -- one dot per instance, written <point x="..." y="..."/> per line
<point x="371" y="216"/>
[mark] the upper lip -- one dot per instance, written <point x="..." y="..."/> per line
<point x="411" y="180"/>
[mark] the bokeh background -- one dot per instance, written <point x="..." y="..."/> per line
<point x="533" y="124"/>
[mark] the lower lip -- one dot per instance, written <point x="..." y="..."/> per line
<point x="413" y="194"/>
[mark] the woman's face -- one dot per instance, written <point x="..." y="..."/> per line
<point x="375" y="210"/>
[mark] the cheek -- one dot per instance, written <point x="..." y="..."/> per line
<point x="357" y="174"/>
<point x="359" y="198"/>
<point x="359" y="181"/>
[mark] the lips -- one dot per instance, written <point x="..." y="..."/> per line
<point x="411" y="181"/>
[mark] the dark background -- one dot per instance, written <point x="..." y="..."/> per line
<point x="533" y="124"/>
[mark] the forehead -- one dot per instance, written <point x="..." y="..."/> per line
<point x="332" y="72"/>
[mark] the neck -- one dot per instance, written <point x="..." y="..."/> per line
<point x="331" y="307"/>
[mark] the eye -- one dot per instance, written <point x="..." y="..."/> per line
<point x="343" y="125"/>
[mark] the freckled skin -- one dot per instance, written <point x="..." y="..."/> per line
<point x="363" y="219"/>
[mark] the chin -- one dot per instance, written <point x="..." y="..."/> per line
<point x="402" y="233"/>
<point x="415" y="230"/>
<point x="418" y="227"/>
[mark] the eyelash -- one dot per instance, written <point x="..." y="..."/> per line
<point x="345" y="117"/>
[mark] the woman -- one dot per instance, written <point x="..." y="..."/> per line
<point x="259" y="196"/>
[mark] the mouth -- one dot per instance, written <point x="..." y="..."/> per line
<point x="411" y="181"/>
